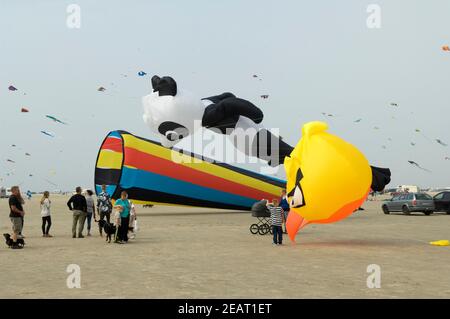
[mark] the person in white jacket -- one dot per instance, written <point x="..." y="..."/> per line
<point x="45" y="214"/>
<point x="133" y="222"/>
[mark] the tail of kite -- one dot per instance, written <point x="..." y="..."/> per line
<point x="153" y="174"/>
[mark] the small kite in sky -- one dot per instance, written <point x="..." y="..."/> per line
<point x="101" y="89"/>
<point x="55" y="119"/>
<point x="394" y="104"/>
<point x="24" y="110"/>
<point x="13" y="145"/>
<point x="47" y="133"/>
<point x="446" y="48"/>
<point x="418" y="166"/>
<point x="50" y="182"/>
<point x="142" y="73"/>
<point x="255" y="76"/>
<point x="11" y="161"/>
<point x="419" y="131"/>
<point x="31" y="175"/>
<point x="12" y="88"/>
<point x="264" y="96"/>
<point x="412" y="143"/>
<point x="358" y="120"/>
<point x="440" y="142"/>
<point x="27" y="154"/>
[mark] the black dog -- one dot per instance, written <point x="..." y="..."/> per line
<point x="109" y="229"/>
<point x="20" y="242"/>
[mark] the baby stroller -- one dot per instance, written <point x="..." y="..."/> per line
<point x="262" y="213"/>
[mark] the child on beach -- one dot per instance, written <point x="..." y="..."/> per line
<point x="133" y="222"/>
<point x="116" y="219"/>
<point x="277" y="220"/>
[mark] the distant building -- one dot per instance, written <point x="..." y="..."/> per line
<point x="5" y="192"/>
<point x="408" y="189"/>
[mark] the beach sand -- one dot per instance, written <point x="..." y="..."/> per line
<point x="205" y="253"/>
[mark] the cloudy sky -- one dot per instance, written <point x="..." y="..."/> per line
<point x="310" y="56"/>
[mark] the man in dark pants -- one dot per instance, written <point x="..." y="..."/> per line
<point x="77" y="204"/>
<point x="104" y="207"/>
<point x="16" y="215"/>
<point x="277" y="218"/>
<point x="285" y="206"/>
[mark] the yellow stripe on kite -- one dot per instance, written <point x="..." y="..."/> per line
<point x="136" y="143"/>
<point x="110" y="160"/>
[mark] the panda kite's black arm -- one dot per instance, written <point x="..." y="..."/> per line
<point x="218" y="98"/>
<point x="231" y="108"/>
<point x="380" y="178"/>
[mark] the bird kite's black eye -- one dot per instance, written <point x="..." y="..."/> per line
<point x="296" y="195"/>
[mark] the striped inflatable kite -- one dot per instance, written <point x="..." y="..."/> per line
<point x="153" y="174"/>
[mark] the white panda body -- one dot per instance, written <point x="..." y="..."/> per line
<point x="183" y="109"/>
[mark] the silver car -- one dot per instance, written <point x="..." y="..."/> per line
<point x="410" y="202"/>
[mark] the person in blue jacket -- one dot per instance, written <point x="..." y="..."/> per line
<point x="285" y="206"/>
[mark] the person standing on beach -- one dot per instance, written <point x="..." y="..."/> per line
<point x="104" y="207"/>
<point x="77" y="204"/>
<point x="133" y="221"/>
<point x="45" y="214"/>
<point x="285" y="206"/>
<point x="90" y="210"/>
<point x="123" y="205"/>
<point x="277" y="219"/>
<point x="16" y="214"/>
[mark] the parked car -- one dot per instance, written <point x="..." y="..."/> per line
<point x="442" y="202"/>
<point x="408" y="203"/>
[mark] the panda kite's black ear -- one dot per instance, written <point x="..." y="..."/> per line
<point x="155" y="81"/>
<point x="164" y="86"/>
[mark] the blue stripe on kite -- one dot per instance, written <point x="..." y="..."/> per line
<point x="110" y="189"/>
<point x="151" y="181"/>
<point x="115" y="134"/>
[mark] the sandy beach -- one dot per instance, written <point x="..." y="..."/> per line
<point x="203" y="253"/>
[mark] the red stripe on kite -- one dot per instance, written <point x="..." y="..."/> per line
<point x="112" y="144"/>
<point x="157" y="165"/>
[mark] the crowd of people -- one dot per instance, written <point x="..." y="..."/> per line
<point x="83" y="210"/>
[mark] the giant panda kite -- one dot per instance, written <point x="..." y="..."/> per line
<point x="171" y="113"/>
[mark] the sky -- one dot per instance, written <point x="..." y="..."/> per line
<point x="311" y="57"/>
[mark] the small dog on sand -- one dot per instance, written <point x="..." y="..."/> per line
<point x="109" y="229"/>
<point x="10" y="243"/>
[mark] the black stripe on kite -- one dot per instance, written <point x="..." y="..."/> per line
<point x="107" y="176"/>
